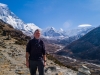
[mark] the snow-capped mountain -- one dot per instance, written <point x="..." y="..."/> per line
<point x="9" y="17"/>
<point x="79" y="31"/>
<point x="65" y="37"/>
<point x="61" y="30"/>
<point x="52" y="33"/>
<point x="58" y="34"/>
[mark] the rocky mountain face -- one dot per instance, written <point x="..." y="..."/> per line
<point x="12" y="54"/>
<point x="87" y="47"/>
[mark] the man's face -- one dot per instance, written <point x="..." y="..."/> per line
<point x="37" y="34"/>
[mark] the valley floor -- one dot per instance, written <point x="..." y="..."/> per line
<point x="75" y="64"/>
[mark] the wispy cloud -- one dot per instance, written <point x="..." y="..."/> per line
<point x="84" y="25"/>
<point x="67" y="24"/>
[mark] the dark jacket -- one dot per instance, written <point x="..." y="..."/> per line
<point x="36" y="49"/>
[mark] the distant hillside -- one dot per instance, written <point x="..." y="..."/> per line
<point x="87" y="47"/>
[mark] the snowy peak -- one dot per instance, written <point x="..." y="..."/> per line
<point x="51" y="32"/>
<point x="61" y="30"/>
<point x="50" y="29"/>
<point x="29" y="28"/>
<point x="9" y="17"/>
<point x="3" y="5"/>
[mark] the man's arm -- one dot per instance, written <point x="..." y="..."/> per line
<point x="28" y="47"/>
<point x="27" y="56"/>
<point x="27" y="53"/>
<point x="44" y="52"/>
<point x="44" y="58"/>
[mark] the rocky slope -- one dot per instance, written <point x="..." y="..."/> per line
<point x="12" y="61"/>
<point x="87" y="47"/>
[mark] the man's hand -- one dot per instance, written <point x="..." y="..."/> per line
<point x="44" y="63"/>
<point x="44" y="58"/>
<point x="27" y="64"/>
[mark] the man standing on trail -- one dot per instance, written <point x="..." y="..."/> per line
<point x="36" y="54"/>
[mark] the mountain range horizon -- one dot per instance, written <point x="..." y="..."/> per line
<point x="5" y="6"/>
<point x="28" y="28"/>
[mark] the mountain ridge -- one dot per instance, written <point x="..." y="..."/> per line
<point x="87" y="47"/>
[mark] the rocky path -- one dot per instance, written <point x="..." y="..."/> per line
<point x="12" y="61"/>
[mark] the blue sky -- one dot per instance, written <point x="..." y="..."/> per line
<point x="65" y="14"/>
